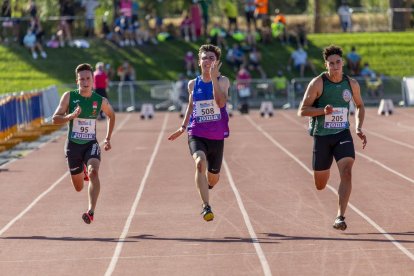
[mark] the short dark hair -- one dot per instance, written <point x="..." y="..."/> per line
<point x="210" y="48"/>
<point x="83" y="67"/>
<point x="331" y="50"/>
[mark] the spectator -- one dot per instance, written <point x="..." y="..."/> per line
<point x="249" y="9"/>
<point x="17" y="14"/>
<point x="182" y="87"/>
<point x="190" y="64"/>
<point x="37" y="28"/>
<point x="204" y="4"/>
<point x="195" y="14"/>
<point x="90" y="6"/>
<point x="279" y="26"/>
<point x="32" y="8"/>
<point x="353" y="62"/>
<point x="366" y="71"/>
<point x="32" y="44"/>
<point x="100" y="83"/>
<point x="230" y="9"/>
<point x="280" y="81"/>
<point x="262" y="10"/>
<point x="243" y="80"/>
<point x="187" y="29"/>
<point x="300" y="61"/>
<point x="7" y="23"/>
<point x="235" y="57"/>
<point x="345" y="16"/>
<point x="217" y="36"/>
<point x="126" y="72"/>
<point x="300" y="34"/>
<point x="255" y="57"/>
<point x="374" y="85"/>
<point x="67" y="14"/>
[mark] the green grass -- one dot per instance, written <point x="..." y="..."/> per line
<point x="389" y="53"/>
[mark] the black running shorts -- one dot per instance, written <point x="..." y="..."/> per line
<point x="79" y="154"/>
<point x="213" y="150"/>
<point x="325" y="148"/>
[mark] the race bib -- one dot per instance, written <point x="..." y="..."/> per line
<point x="83" y="129"/>
<point x="207" y="111"/>
<point x="338" y="119"/>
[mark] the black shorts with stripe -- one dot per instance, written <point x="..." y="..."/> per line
<point x="326" y="147"/>
<point x="78" y="154"/>
<point x="213" y="150"/>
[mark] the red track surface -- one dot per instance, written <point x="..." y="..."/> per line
<point x="270" y="220"/>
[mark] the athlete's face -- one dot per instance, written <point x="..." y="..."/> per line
<point x="85" y="80"/>
<point x="334" y="64"/>
<point x="206" y="59"/>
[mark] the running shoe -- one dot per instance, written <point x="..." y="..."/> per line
<point x="87" y="217"/>
<point x="340" y="223"/>
<point x="85" y="171"/>
<point x="207" y="213"/>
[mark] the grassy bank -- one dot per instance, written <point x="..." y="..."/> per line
<point x="389" y="53"/>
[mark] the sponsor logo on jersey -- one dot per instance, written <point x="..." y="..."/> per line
<point x="346" y="95"/>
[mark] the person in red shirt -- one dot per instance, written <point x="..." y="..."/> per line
<point x="100" y="83"/>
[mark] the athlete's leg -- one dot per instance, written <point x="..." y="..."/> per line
<point x="77" y="181"/>
<point x="345" y="186"/>
<point x="213" y="178"/>
<point x="200" y="175"/>
<point x="321" y="178"/>
<point x="94" y="183"/>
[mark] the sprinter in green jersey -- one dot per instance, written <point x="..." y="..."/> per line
<point x="80" y="109"/>
<point x="326" y="102"/>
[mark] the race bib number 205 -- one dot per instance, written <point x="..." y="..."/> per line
<point x="338" y="119"/>
<point x="207" y="111"/>
<point x="83" y="129"/>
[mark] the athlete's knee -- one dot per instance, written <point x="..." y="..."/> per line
<point x="320" y="184"/>
<point x="92" y="172"/>
<point x="213" y="179"/>
<point x="201" y="163"/>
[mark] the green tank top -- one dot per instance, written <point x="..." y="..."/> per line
<point x="337" y="94"/>
<point x="83" y="129"/>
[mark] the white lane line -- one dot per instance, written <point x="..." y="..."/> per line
<point x="121" y="239"/>
<point x="257" y="247"/>
<point x="389" y="139"/>
<point x="31" y="205"/>
<point x="359" y="212"/>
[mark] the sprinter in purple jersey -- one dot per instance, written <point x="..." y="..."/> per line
<point x="206" y="121"/>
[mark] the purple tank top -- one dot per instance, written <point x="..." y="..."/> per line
<point x="207" y="120"/>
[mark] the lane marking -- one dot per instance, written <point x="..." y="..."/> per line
<point x="256" y="243"/>
<point x="354" y="208"/>
<point x="31" y="205"/>
<point x="120" y="242"/>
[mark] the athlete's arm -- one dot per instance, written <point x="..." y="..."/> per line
<point x="221" y="84"/>
<point x="187" y="115"/>
<point x="359" y="111"/>
<point x="313" y="91"/>
<point x="61" y="116"/>
<point x="110" y="122"/>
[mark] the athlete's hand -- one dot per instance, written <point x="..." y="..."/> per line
<point x="328" y="109"/>
<point x="362" y="136"/>
<point x="107" y="144"/>
<point x="215" y="69"/>
<point x="75" y="113"/>
<point x="176" y="134"/>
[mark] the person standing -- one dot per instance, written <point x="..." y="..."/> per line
<point x="327" y="103"/>
<point x="79" y="108"/>
<point x="206" y="121"/>
<point x="100" y="83"/>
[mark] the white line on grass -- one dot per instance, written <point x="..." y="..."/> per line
<point x="31" y="205"/>
<point x="257" y="247"/>
<point x="120" y="243"/>
<point x="359" y="212"/>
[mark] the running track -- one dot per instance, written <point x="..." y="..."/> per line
<point x="270" y="220"/>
